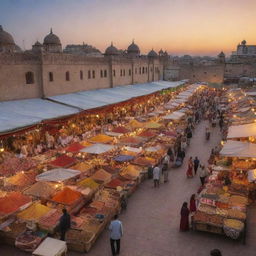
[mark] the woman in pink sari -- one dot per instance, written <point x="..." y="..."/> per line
<point x="190" y="168"/>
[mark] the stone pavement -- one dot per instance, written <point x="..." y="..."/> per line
<point x="151" y="221"/>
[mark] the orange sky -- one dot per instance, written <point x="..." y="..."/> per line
<point x="193" y="27"/>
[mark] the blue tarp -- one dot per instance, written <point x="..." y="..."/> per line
<point x="20" y="113"/>
<point x="123" y="158"/>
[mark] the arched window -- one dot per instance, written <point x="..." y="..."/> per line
<point x="93" y="74"/>
<point x="101" y="73"/>
<point x="67" y="76"/>
<point x="130" y="72"/>
<point x="105" y="73"/>
<point x="124" y="72"/>
<point x="50" y="76"/>
<point x="29" y="78"/>
<point x="143" y="70"/>
<point x="81" y="75"/>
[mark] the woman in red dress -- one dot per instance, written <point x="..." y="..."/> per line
<point x="184" y="220"/>
<point x="190" y="168"/>
<point x="192" y="205"/>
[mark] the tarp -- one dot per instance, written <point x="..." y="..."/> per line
<point x="240" y="131"/>
<point x="123" y="158"/>
<point x="102" y="97"/>
<point x="97" y="148"/>
<point x="51" y="247"/>
<point x="57" y="175"/>
<point x="174" y="116"/>
<point x="238" y="149"/>
<point x="21" y="113"/>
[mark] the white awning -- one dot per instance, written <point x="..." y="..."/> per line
<point x="238" y="149"/>
<point x="240" y="131"/>
<point x="97" y="148"/>
<point x="176" y="115"/>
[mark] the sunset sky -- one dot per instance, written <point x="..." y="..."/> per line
<point x="196" y="27"/>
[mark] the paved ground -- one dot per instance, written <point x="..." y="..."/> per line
<point x="151" y="222"/>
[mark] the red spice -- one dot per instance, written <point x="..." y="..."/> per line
<point x="12" y="202"/>
<point x="115" y="183"/>
<point x="63" y="161"/>
<point x="147" y="134"/>
<point x="74" y="147"/>
<point x="120" y="129"/>
<point x="67" y="196"/>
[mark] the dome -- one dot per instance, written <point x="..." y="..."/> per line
<point x="161" y="52"/>
<point x="221" y="54"/>
<point x="152" y="54"/>
<point x="133" y="48"/>
<point x="52" y="39"/>
<point x="111" y="50"/>
<point x="5" y="38"/>
<point x="37" y="44"/>
<point x="243" y="42"/>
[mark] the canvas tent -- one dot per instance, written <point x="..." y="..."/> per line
<point x="238" y="149"/>
<point x="240" y="131"/>
<point x="177" y="115"/>
<point x="97" y="148"/>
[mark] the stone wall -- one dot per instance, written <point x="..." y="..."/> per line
<point x="84" y="73"/>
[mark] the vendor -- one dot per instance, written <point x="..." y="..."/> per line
<point x="65" y="224"/>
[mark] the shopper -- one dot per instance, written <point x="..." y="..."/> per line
<point x="192" y="205"/>
<point x="202" y="174"/>
<point x="184" y="220"/>
<point x="156" y="176"/>
<point x="216" y="252"/>
<point x="64" y="224"/>
<point x="196" y="164"/>
<point x="190" y="168"/>
<point x="116" y="232"/>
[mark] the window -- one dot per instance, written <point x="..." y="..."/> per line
<point x="194" y="76"/>
<point x="121" y="72"/>
<point x="67" y="76"/>
<point x="151" y="69"/>
<point x="124" y="72"/>
<point x="135" y="70"/>
<point x="101" y="73"/>
<point x="93" y="74"/>
<point x="146" y="70"/>
<point x="89" y="74"/>
<point x="29" y="78"/>
<point x="81" y="75"/>
<point x="205" y="72"/>
<point x="114" y="72"/>
<point x="50" y="76"/>
<point x="130" y="72"/>
<point x="143" y="70"/>
<point x="105" y="73"/>
<point x="140" y="70"/>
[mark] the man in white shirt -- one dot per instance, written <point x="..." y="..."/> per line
<point x="156" y="176"/>
<point x="116" y="232"/>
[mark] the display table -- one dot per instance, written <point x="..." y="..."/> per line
<point x="51" y="247"/>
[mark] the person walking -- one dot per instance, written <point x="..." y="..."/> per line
<point x="196" y="164"/>
<point x="65" y="224"/>
<point x="202" y="174"/>
<point x="190" y="168"/>
<point x="165" y="168"/>
<point x="184" y="220"/>
<point x="116" y="232"/>
<point x="156" y="176"/>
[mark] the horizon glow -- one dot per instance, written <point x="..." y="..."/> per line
<point x="180" y="27"/>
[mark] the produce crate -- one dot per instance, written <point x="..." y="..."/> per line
<point x="207" y="228"/>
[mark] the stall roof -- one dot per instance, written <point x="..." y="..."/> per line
<point x="241" y="131"/>
<point x="101" y="97"/>
<point x="20" y="113"/>
<point x="177" y="115"/>
<point x="238" y="149"/>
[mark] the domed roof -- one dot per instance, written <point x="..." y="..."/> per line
<point x="37" y="44"/>
<point x="221" y="54"/>
<point x="161" y="52"/>
<point x="152" y="53"/>
<point x="5" y="38"/>
<point x="243" y="42"/>
<point x="52" y="39"/>
<point x="111" y="50"/>
<point x="133" y="48"/>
